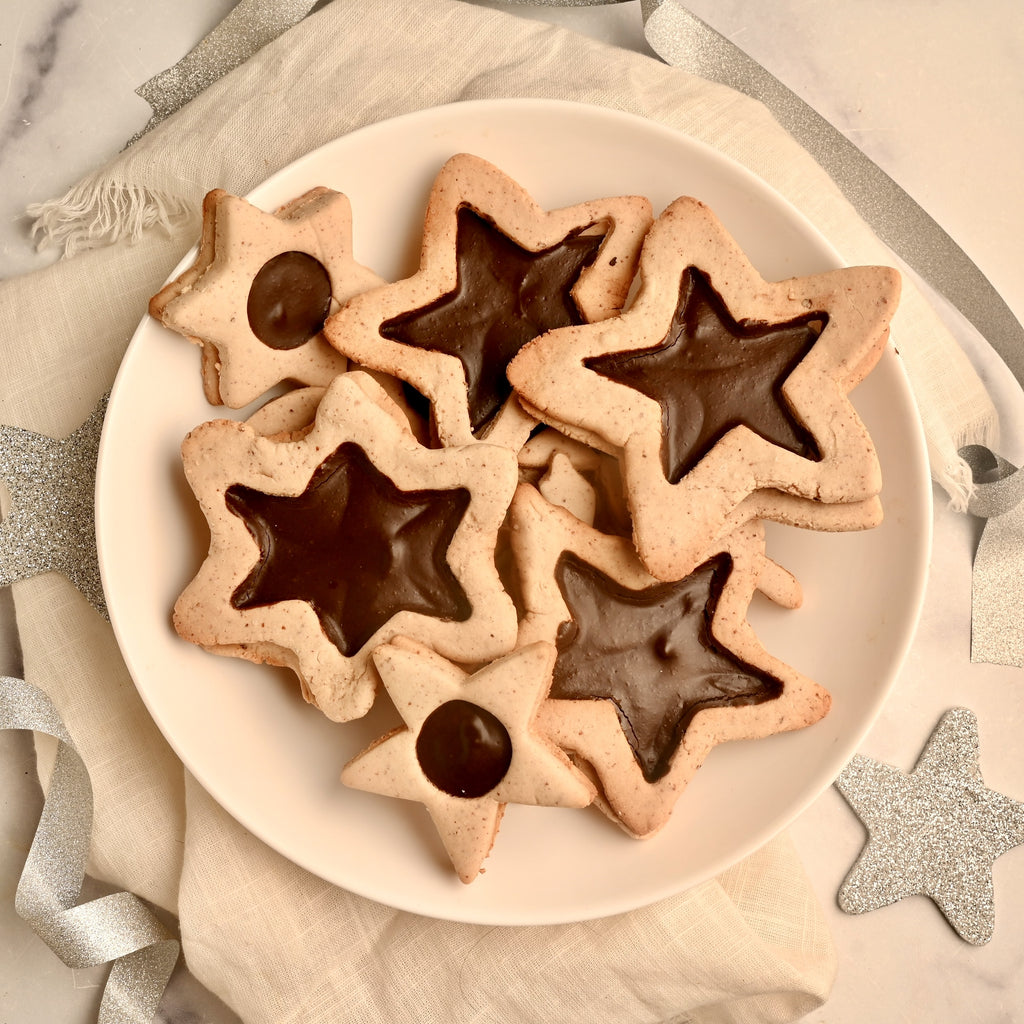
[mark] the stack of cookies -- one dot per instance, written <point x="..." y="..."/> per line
<point x="521" y="492"/>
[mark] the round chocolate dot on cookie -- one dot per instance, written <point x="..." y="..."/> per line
<point x="289" y="300"/>
<point x="463" y="749"/>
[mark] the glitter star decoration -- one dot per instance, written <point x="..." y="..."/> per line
<point x="935" y="832"/>
<point x="51" y="522"/>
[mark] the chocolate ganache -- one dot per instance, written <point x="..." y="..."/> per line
<point x="651" y="653"/>
<point x="289" y="300"/>
<point x="504" y="297"/>
<point x="463" y="749"/>
<point x="711" y="373"/>
<point x="355" y="547"/>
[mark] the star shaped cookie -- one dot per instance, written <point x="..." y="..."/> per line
<point x="935" y="832"/>
<point x="51" y="522"/>
<point x="469" y="745"/>
<point x="650" y="676"/>
<point x="715" y="385"/>
<point x="496" y="270"/>
<point x="327" y="542"/>
<point x="257" y="295"/>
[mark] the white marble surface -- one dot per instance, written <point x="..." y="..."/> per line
<point x="934" y="92"/>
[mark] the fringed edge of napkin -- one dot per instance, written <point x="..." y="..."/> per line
<point x="98" y="212"/>
<point x="953" y="474"/>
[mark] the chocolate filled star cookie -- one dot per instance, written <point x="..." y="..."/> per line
<point x="327" y="542"/>
<point x="496" y="270"/>
<point x="256" y="297"/>
<point x="715" y="385"/>
<point x="650" y="675"/>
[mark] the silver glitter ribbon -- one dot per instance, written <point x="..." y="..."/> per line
<point x="997" y="585"/>
<point x="683" y="40"/>
<point x="247" y="29"/>
<point x="117" y="928"/>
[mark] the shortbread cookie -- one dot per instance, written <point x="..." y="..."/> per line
<point x="259" y="291"/>
<point x="649" y="675"/>
<point x="593" y="490"/>
<point x="805" y="513"/>
<point x="287" y="417"/>
<point x="495" y="271"/>
<point x="324" y="547"/>
<point x="715" y="384"/>
<point x="290" y="415"/>
<point x="588" y="483"/>
<point x="469" y="745"/>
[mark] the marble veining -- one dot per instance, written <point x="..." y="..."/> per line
<point x="68" y="74"/>
<point x="40" y="60"/>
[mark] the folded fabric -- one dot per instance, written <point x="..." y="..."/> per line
<point x="277" y="944"/>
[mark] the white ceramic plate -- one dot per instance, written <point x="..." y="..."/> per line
<point x="273" y="762"/>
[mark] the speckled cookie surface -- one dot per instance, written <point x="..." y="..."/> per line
<point x="495" y="271"/>
<point x="325" y="546"/>
<point x="261" y="286"/>
<point x="469" y="745"/>
<point x="534" y="520"/>
<point x="651" y="676"/>
<point x="715" y="384"/>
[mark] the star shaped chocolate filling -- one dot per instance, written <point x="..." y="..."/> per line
<point x="504" y="297"/>
<point x="353" y="546"/>
<point x="651" y="653"/>
<point x="711" y="373"/>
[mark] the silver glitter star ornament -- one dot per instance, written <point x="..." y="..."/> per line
<point x="935" y="832"/>
<point x="51" y="522"/>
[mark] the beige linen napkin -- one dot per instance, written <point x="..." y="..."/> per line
<point x="278" y="944"/>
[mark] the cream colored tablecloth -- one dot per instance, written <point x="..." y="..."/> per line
<point x="277" y="944"/>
